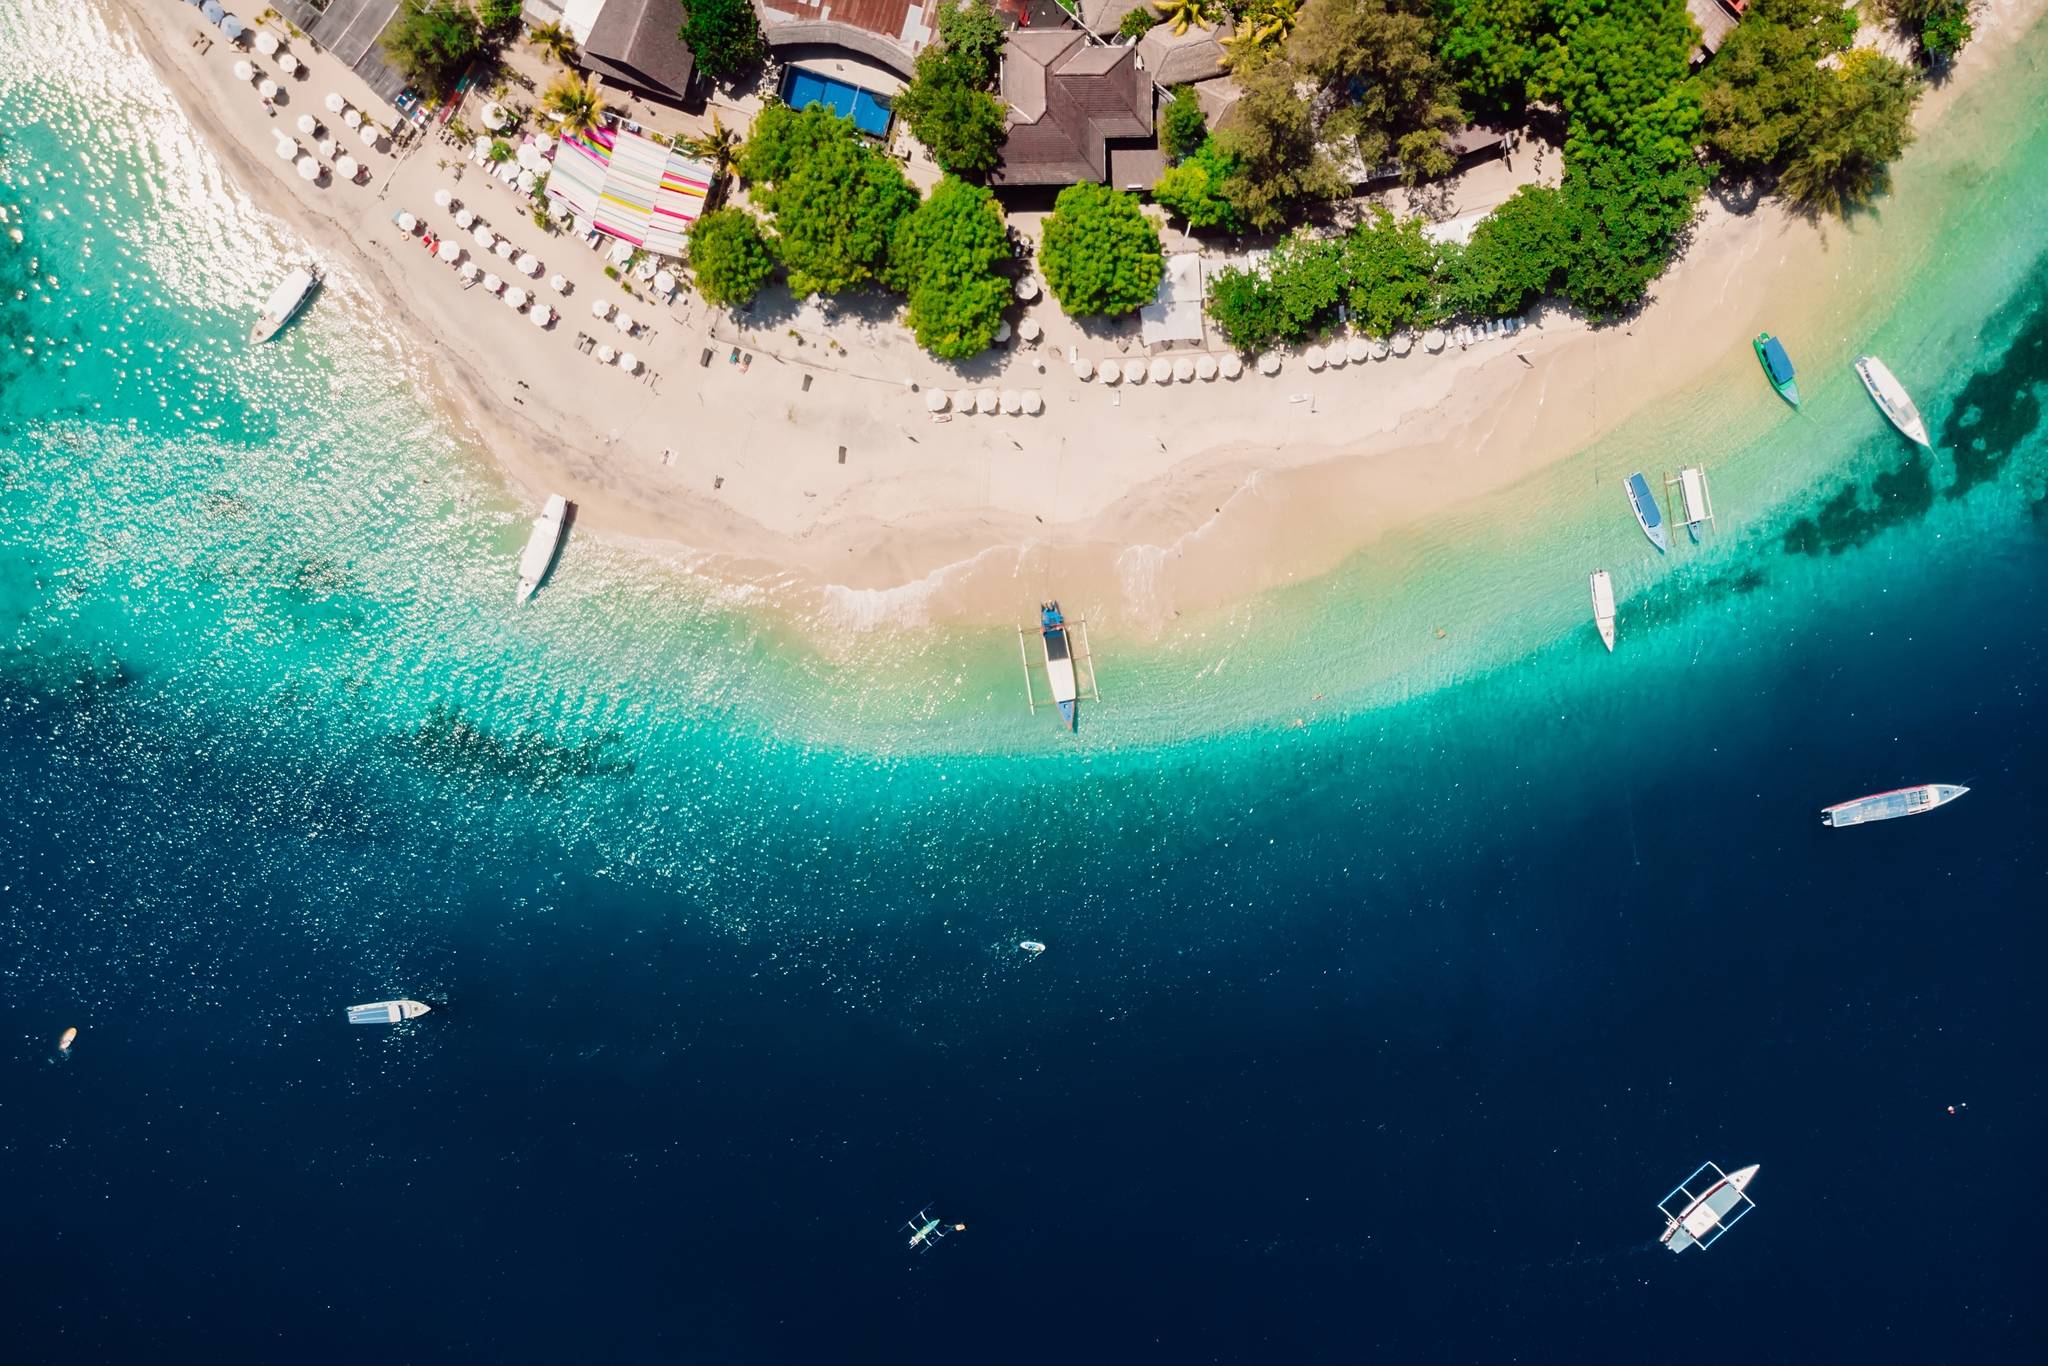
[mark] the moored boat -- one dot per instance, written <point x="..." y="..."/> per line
<point x="542" y="544"/>
<point x="1059" y="663"/>
<point x="1891" y="398"/>
<point x="1885" y="806"/>
<point x="284" y="302"/>
<point x="1648" y="516"/>
<point x="1770" y="353"/>
<point x="1706" y="1205"/>
<point x="1603" y="607"/>
<point x="387" y="1012"/>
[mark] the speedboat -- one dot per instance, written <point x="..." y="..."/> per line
<point x="387" y="1012"/>
<point x="1648" y="516"/>
<point x="284" y="302"/>
<point x="1891" y="398"/>
<point x="1031" y="946"/>
<point x="542" y="544"/>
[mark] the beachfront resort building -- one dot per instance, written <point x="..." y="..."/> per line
<point x="1079" y="110"/>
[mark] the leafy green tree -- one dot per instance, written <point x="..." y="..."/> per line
<point x="1137" y="23"/>
<point x="945" y="257"/>
<point x="1281" y="166"/>
<point x="498" y="14"/>
<point x="1866" y="124"/>
<point x="574" y="101"/>
<point x="433" y="43"/>
<point x="1396" y="102"/>
<point x="1181" y="126"/>
<point x="724" y="35"/>
<point x="1390" y="271"/>
<point x="959" y="122"/>
<point x="1942" y="27"/>
<point x="553" y="39"/>
<point x="1291" y="296"/>
<point x="1492" y="47"/>
<point x="1194" y="189"/>
<point x="1517" y="254"/>
<point x="1100" y="253"/>
<point x="834" y="200"/>
<point x="1763" y="91"/>
<point x="975" y="31"/>
<point x="729" y="257"/>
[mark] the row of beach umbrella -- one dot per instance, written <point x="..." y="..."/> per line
<point x="1013" y="402"/>
<point x="450" y="253"/>
<point x="1161" y="369"/>
<point x="625" y="360"/>
<point x="602" y="309"/>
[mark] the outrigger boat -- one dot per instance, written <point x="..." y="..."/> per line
<point x="1704" y="1206"/>
<point x="542" y="544"/>
<point x="1648" y="517"/>
<point x="1884" y="806"/>
<point x="1695" y="500"/>
<point x="925" y="1231"/>
<point x="1770" y="353"/>
<point x="1891" y="398"/>
<point x="1069" y="664"/>
<point x="1603" y="607"/>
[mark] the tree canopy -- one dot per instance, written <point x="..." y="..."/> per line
<point x="1291" y="296"/>
<point x="433" y="43"/>
<point x="834" y="201"/>
<point x="1280" y="163"/>
<point x="1393" y="101"/>
<point x="729" y="257"/>
<point x="945" y="257"/>
<point x="952" y="114"/>
<point x="724" y="35"/>
<point x="1517" y="254"/>
<point x="1864" y="124"/>
<point x="1194" y="189"/>
<point x="1100" y="253"/>
<point x="1181" y="126"/>
<point x="1390" y="275"/>
<point x="975" y="32"/>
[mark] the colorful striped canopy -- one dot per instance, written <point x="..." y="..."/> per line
<point x="630" y="187"/>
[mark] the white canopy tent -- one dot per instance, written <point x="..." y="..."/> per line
<point x="1175" y="313"/>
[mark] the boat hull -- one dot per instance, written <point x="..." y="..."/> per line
<point x="542" y="545"/>
<point x="1788" y="385"/>
<point x="283" y="305"/>
<point x="1644" y="504"/>
<point x="1891" y="399"/>
<point x="1885" y="806"/>
<point x="1603" y="607"/>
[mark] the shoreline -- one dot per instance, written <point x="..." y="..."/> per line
<point x="1138" y="505"/>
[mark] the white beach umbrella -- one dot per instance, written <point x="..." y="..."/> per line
<point x="266" y="41"/>
<point x="1160" y="371"/>
<point x="1314" y="357"/>
<point x="406" y="222"/>
<point x="464" y="218"/>
<point x="308" y="125"/>
<point x="449" y="251"/>
<point x="309" y="169"/>
<point x="287" y="150"/>
<point x="268" y="90"/>
<point x="935" y="401"/>
<point x="1205" y="367"/>
<point x="326" y="146"/>
<point x="493" y="116"/>
<point x="1358" y="349"/>
<point x="664" y="283"/>
<point x="1002" y="333"/>
<point x="965" y="402"/>
<point x="629" y="362"/>
<point x="1403" y="343"/>
<point x="484" y="237"/>
<point x="1333" y="354"/>
<point x="467" y="270"/>
<point x="1013" y="402"/>
<point x="1183" y="368"/>
<point x="443" y="197"/>
<point x="1381" y="348"/>
<point x="622" y="252"/>
<point x="541" y="315"/>
<point x="529" y="264"/>
<point x="346" y="167"/>
<point x="515" y="297"/>
<point x="482" y="147"/>
<point x="624" y="322"/>
<point x="1433" y="340"/>
<point x="1134" y="371"/>
<point x="335" y="103"/>
<point x="1034" y="403"/>
<point x="503" y="246"/>
<point x="232" y="27"/>
<point x="1029" y="329"/>
<point x="1084" y="368"/>
<point x="605" y="355"/>
<point x="288" y="63"/>
<point x="1109" y="372"/>
<point x="1027" y="289"/>
<point x="1269" y="364"/>
<point x="1230" y="364"/>
<point x="645" y="270"/>
<point x="989" y="401"/>
<point x="543" y="144"/>
<point x="600" y="308"/>
<point x="527" y="180"/>
<point x="244" y="71"/>
<point x="559" y="283"/>
<point x="370" y="134"/>
<point x="351" y="117"/>
<point x="530" y="159"/>
<point x="492" y="284"/>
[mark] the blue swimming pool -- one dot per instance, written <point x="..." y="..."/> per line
<point x="802" y="88"/>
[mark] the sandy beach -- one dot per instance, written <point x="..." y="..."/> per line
<point x="1141" y="501"/>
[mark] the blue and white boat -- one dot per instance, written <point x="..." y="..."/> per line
<point x="387" y="1012"/>
<point x="1704" y="1206"/>
<point x="1059" y="663"/>
<point x="1648" y="517"/>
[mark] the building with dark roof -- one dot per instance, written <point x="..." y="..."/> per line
<point x="1071" y="102"/>
<point x="638" y="44"/>
<point x="1193" y="54"/>
<point x="890" y="32"/>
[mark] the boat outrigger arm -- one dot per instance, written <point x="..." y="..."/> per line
<point x="1069" y="664"/>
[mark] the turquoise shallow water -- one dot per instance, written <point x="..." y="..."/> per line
<point x="718" y="930"/>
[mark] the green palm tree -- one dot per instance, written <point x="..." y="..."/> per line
<point x="574" y="101"/>
<point x="554" y="40"/>
<point x="718" y="145"/>
<point x="1182" y="14"/>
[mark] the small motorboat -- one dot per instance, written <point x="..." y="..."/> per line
<point x="1770" y="353"/>
<point x="1032" y="946"/>
<point x="1648" y="516"/>
<point x="1603" y="607"/>
<point x="387" y="1012"/>
<point x="1891" y="398"/>
<point x="541" y="545"/>
<point x="284" y="302"/>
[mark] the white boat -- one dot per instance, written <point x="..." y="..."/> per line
<point x="1704" y="1206"/>
<point x="386" y="1012"/>
<point x="1695" y="500"/>
<point x="1884" y="806"/>
<point x="1603" y="607"/>
<point x="1031" y="946"/>
<point x="542" y="545"/>
<point x="1891" y="398"/>
<point x="284" y="301"/>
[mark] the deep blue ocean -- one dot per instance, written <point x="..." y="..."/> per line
<point x="1375" y="1039"/>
